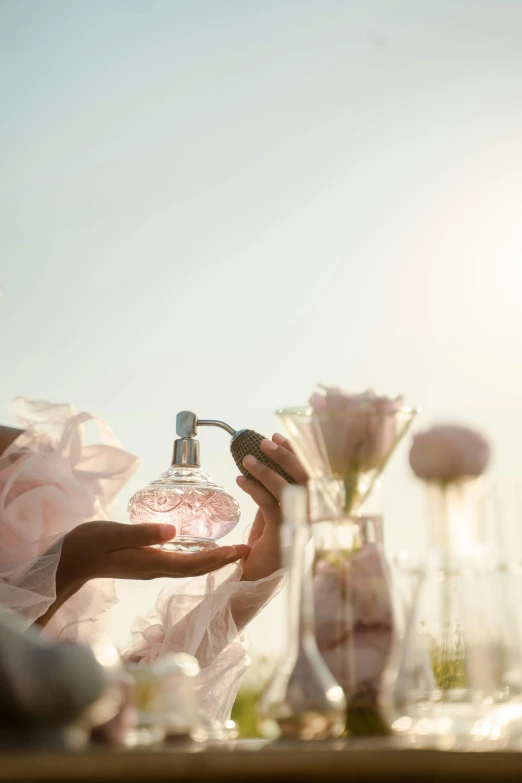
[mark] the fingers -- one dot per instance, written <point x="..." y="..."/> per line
<point x="202" y="562"/>
<point x="264" y="498"/>
<point x="281" y="453"/>
<point x="119" y="536"/>
<point x="148" y="563"/>
<point x="254" y="533"/>
<point x="209" y="561"/>
<point x="268" y="478"/>
<point x="282" y="441"/>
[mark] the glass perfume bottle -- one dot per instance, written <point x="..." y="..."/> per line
<point x="187" y="497"/>
<point x="303" y="700"/>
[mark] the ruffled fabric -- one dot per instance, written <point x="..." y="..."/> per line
<point x="50" y="482"/>
<point x="205" y="617"/>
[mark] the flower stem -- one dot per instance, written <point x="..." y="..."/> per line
<point x="350" y="482"/>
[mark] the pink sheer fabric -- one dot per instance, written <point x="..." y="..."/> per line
<point x="205" y="618"/>
<point x="50" y="482"/>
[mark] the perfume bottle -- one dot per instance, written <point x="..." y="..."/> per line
<point x="303" y="700"/>
<point x="187" y="497"/>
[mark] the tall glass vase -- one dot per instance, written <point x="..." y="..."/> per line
<point x="302" y="700"/>
<point x="462" y="617"/>
<point x="354" y="618"/>
<point x="354" y="621"/>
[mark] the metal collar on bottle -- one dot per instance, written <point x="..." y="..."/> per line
<point x="186" y="448"/>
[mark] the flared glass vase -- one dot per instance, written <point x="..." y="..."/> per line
<point x="354" y="607"/>
<point x="303" y="700"/>
<point x="344" y="456"/>
<point x="354" y="617"/>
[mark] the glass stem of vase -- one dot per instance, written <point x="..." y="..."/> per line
<point x="455" y="536"/>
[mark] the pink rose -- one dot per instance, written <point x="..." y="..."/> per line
<point x="447" y="453"/>
<point x="353" y="616"/>
<point x="358" y="430"/>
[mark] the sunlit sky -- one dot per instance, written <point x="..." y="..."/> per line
<point x="214" y="205"/>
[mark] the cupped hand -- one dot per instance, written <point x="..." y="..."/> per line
<point x="119" y="551"/>
<point x="265" y="550"/>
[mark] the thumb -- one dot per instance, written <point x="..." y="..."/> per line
<point x="121" y="536"/>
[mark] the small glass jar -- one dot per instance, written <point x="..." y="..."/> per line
<point x="165" y="695"/>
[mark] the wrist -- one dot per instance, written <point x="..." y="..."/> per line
<point x="65" y="589"/>
<point x="72" y="572"/>
<point x="68" y="578"/>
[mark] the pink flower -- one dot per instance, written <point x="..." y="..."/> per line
<point x="358" y="430"/>
<point x="447" y="453"/>
<point x="353" y="616"/>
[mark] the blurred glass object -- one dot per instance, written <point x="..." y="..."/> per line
<point x="302" y="700"/>
<point x="345" y="448"/>
<point x="46" y="690"/>
<point x="463" y="615"/>
<point x="501" y="520"/>
<point x="178" y="675"/>
<point x="165" y="695"/>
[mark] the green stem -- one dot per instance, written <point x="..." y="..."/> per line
<point x="350" y="482"/>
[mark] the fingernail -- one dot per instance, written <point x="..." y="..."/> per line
<point x="241" y="480"/>
<point x="250" y="461"/>
<point x="167" y="531"/>
<point x="277" y="436"/>
<point x="268" y="445"/>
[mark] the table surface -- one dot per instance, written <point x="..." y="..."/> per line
<point x="257" y="761"/>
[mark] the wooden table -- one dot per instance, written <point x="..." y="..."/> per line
<point x="352" y="761"/>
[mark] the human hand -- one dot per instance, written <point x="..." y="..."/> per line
<point x="265" y="550"/>
<point x="118" y="551"/>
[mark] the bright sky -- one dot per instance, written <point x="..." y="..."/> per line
<point x="214" y="204"/>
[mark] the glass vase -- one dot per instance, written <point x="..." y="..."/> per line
<point x="354" y="619"/>
<point x="464" y="623"/>
<point x="302" y="700"/>
<point x="354" y="606"/>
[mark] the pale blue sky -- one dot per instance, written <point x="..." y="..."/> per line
<point x="213" y="205"/>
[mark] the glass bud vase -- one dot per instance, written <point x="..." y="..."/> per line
<point x="462" y="622"/>
<point x="345" y="445"/>
<point x="303" y="700"/>
<point x="354" y="618"/>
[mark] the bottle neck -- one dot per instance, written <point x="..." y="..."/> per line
<point x="358" y="495"/>
<point x="186" y="453"/>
